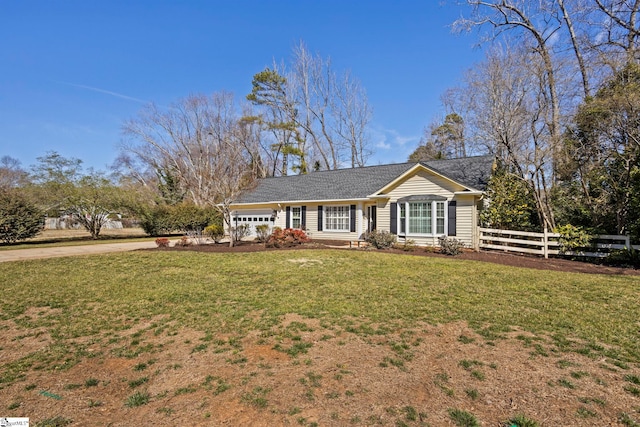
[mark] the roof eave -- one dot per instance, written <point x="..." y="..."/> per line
<point x="297" y="202"/>
<point x="469" y="193"/>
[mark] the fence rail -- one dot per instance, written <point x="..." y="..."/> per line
<point x="545" y="243"/>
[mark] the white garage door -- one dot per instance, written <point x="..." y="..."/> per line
<point x="252" y="220"/>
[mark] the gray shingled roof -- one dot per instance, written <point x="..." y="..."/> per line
<point x="358" y="183"/>
<point x="472" y="172"/>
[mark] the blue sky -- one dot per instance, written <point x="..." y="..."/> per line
<point x="72" y="71"/>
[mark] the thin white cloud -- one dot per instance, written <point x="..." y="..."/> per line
<point x="383" y="145"/>
<point x="403" y="140"/>
<point x="391" y="146"/>
<point x="396" y="139"/>
<point x="379" y="138"/>
<point x="106" y="92"/>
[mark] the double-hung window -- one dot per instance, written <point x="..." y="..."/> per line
<point x="403" y="217"/>
<point x="440" y="219"/>
<point x="296" y="217"/>
<point x="421" y="217"/>
<point x="336" y="218"/>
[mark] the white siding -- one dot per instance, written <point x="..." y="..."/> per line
<point x="465" y="220"/>
<point x="281" y="218"/>
<point x="424" y="183"/>
<point x="384" y="218"/>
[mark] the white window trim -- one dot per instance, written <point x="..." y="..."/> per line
<point x="325" y="218"/>
<point x="434" y="219"/>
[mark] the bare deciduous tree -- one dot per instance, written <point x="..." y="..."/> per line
<point x="525" y="111"/>
<point x="621" y="28"/>
<point x="12" y="174"/>
<point x="507" y="108"/>
<point x="353" y="113"/>
<point x="575" y="44"/>
<point x="313" y="113"/>
<point x="538" y="23"/>
<point x="202" y="141"/>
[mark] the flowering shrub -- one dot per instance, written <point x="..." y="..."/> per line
<point x="162" y="242"/>
<point x="287" y="237"/>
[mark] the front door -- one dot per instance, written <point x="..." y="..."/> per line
<point x="371" y="218"/>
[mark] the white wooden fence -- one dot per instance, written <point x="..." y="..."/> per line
<point x="546" y="243"/>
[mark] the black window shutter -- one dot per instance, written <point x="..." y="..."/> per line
<point x="352" y="218"/>
<point x="320" y="218"/>
<point x="303" y="213"/>
<point x="288" y="218"/>
<point x="393" y="227"/>
<point x="373" y="218"/>
<point x="452" y="218"/>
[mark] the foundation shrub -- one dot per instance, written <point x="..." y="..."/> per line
<point x="280" y="238"/>
<point x="184" y="242"/>
<point x="162" y="242"/>
<point x="240" y="232"/>
<point x="450" y="246"/>
<point x="380" y="239"/>
<point x="214" y="231"/>
<point x="262" y="233"/>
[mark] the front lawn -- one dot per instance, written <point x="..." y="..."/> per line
<point x="211" y="313"/>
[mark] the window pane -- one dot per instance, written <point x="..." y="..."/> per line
<point x="420" y="218"/>
<point x="336" y="218"/>
<point x="440" y="217"/>
<point x="296" y="215"/>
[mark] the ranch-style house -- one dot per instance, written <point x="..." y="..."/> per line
<point x="418" y="201"/>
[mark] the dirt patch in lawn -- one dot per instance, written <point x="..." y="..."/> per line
<point x="314" y="375"/>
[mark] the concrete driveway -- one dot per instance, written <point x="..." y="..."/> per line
<point x="63" y="251"/>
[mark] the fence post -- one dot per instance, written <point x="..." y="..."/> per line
<point x="545" y="241"/>
<point x="627" y="241"/>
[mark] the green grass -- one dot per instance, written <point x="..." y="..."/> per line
<point x="54" y="422"/>
<point x="626" y="420"/>
<point x="139" y="398"/>
<point x="522" y="421"/>
<point x="94" y="403"/>
<point x="463" y="418"/>
<point x="634" y="379"/>
<point x="138" y="382"/>
<point x="98" y="295"/>
<point x="91" y="382"/>
<point x="257" y="397"/>
<point x="472" y="393"/>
